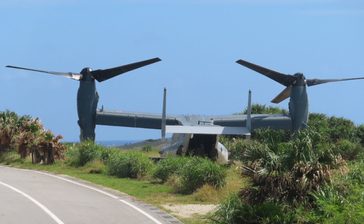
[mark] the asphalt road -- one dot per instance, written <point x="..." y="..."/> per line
<point x="34" y="197"/>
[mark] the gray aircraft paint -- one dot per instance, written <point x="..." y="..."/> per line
<point x="296" y="86"/>
<point x="298" y="107"/>
<point x="87" y="96"/>
<point x="87" y="99"/>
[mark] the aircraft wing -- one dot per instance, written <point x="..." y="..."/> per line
<point x="135" y="120"/>
<point x="207" y="129"/>
<point x="273" y="121"/>
<point x="194" y="124"/>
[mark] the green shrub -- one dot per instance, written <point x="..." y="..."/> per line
<point x="129" y="164"/>
<point x="360" y="134"/>
<point x="238" y="147"/>
<point x="347" y="149"/>
<point x="199" y="171"/>
<point x="271" y="137"/>
<point x="263" y="109"/>
<point x="234" y="210"/>
<point x="297" y="168"/>
<point x="319" y="123"/>
<point x="356" y="174"/>
<point x="72" y="155"/>
<point x="10" y="157"/>
<point x="341" y="201"/>
<point x="106" y="153"/>
<point x="94" y="166"/>
<point x="341" y="128"/>
<point x="230" y="211"/>
<point x="168" y="167"/>
<point x="332" y="206"/>
<point x="334" y="128"/>
<point x="79" y="154"/>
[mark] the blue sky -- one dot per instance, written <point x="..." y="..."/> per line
<point x="198" y="42"/>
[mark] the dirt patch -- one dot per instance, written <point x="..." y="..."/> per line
<point x="187" y="211"/>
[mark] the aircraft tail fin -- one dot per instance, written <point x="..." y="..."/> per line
<point x="164" y="115"/>
<point x="249" y="112"/>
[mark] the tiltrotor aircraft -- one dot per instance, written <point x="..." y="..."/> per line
<point x="196" y="134"/>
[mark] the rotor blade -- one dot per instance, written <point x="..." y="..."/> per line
<point x="104" y="74"/>
<point x="75" y="76"/>
<point x="312" y="82"/>
<point x="283" y="79"/>
<point x="282" y="95"/>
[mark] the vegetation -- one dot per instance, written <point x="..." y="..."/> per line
<point x="27" y="136"/>
<point x="263" y="109"/>
<point x="189" y="174"/>
<point x="129" y="164"/>
<point x="78" y="155"/>
<point x="200" y="171"/>
<point x="168" y="167"/>
<point x="313" y="176"/>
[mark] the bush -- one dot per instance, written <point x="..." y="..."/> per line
<point x="290" y="174"/>
<point x="340" y="128"/>
<point x="234" y="210"/>
<point x="334" y="128"/>
<point x="263" y="109"/>
<point x="319" y="123"/>
<point x="79" y="154"/>
<point x="129" y="164"/>
<point x="360" y="134"/>
<point x="190" y="173"/>
<point x="28" y="137"/>
<point x="342" y="201"/>
<point x="271" y="137"/>
<point x="348" y="150"/>
<point x="106" y="153"/>
<point x="10" y="157"/>
<point x="198" y="172"/>
<point x="168" y="167"/>
<point x="94" y="166"/>
<point x="207" y="193"/>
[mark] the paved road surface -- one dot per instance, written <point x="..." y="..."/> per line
<point x="34" y="197"/>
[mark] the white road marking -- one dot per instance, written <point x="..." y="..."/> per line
<point x="104" y="193"/>
<point x="141" y="211"/>
<point x="45" y="209"/>
<point x="94" y="189"/>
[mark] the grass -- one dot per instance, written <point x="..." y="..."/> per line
<point x="145" y="189"/>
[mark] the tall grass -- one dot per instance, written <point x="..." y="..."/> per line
<point x="79" y="154"/>
<point x="199" y="171"/>
<point x="168" y="167"/>
<point x="129" y="164"/>
<point x="190" y="173"/>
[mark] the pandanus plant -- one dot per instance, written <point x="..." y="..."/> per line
<point x="8" y="128"/>
<point x="28" y="137"/>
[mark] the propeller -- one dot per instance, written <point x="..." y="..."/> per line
<point x="100" y="74"/>
<point x="282" y="95"/>
<point x="71" y="75"/>
<point x="105" y="74"/>
<point x="313" y="82"/>
<point x="288" y="80"/>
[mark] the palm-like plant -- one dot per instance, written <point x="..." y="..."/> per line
<point x="28" y="137"/>
<point x="290" y="173"/>
<point x="8" y="128"/>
